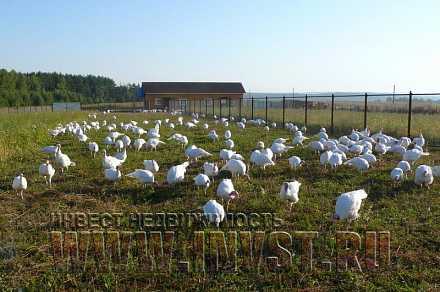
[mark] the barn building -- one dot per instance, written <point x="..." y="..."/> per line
<point x="172" y="95"/>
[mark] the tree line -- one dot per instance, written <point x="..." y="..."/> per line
<point x="40" y="88"/>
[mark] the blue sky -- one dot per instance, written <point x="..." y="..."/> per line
<point x="273" y="46"/>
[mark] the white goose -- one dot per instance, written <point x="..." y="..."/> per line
<point x="153" y="143"/>
<point x="151" y="165"/>
<point x="214" y="212"/>
<point x="414" y="154"/>
<point x="63" y="161"/>
<point x="210" y="169"/>
<point x="47" y="171"/>
<point x="423" y="176"/>
<point x="295" y="162"/>
<point x="202" y="180"/>
<point x="226" y="191"/>
<point x="236" y="168"/>
<point x="229" y="143"/>
<point x="193" y="153"/>
<point x="143" y="176"/>
<point x="397" y="174"/>
<point x="289" y="192"/>
<point x="138" y="144"/>
<point x="359" y="163"/>
<point x="112" y="174"/>
<point x="110" y="161"/>
<point x="177" y="173"/>
<point x="348" y="205"/>
<point x="19" y="184"/>
<point x="93" y="148"/>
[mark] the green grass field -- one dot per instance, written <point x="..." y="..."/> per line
<point x="410" y="214"/>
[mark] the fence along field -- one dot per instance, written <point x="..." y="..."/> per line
<point x="335" y="112"/>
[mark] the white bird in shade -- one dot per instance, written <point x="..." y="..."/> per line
<point x="138" y="144"/>
<point x="236" y="168"/>
<point x="348" y="205"/>
<point x="19" y="184"/>
<point x="212" y="135"/>
<point x="151" y="165"/>
<point x="229" y="143"/>
<point x="381" y="148"/>
<point x="279" y="149"/>
<point x="359" y="163"/>
<point x="289" y="192"/>
<point x="193" y="153"/>
<point x="335" y="160"/>
<point x="279" y="140"/>
<point x="51" y="149"/>
<point x="414" y="154"/>
<point x="126" y="140"/>
<point x="228" y="134"/>
<point x="370" y="157"/>
<point x="397" y="174"/>
<point x="202" y="180"/>
<point x="210" y="169"/>
<point x="423" y="176"/>
<point x="420" y="141"/>
<point x="226" y="191"/>
<point x="214" y="212"/>
<point x="143" y="176"/>
<point x="325" y="157"/>
<point x="47" y="171"/>
<point x="119" y="144"/>
<point x="176" y="173"/>
<point x="405" y="166"/>
<point x="122" y="155"/>
<point x="295" y="162"/>
<point x="93" y="148"/>
<point x="63" y="161"/>
<point x="316" y="146"/>
<point x="205" y="126"/>
<point x="260" y="159"/>
<point x="110" y="161"/>
<point x="153" y="143"/>
<point x="112" y="174"/>
<point x="226" y="154"/>
<point x="107" y="141"/>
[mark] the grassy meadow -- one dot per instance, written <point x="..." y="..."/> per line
<point x="411" y="214"/>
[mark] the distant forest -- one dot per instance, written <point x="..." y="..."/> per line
<point x="39" y="88"/>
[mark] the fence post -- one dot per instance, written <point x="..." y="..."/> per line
<point x="266" y="110"/>
<point x="239" y="107"/>
<point x="213" y="106"/>
<point x="252" y="107"/>
<point x="305" y="111"/>
<point x="220" y="105"/>
<point x="229" y="108"/>
<point x="206" y="107"/>
<point x="333" y="111"/>
<point x="409" y="113"/>
<point x="365" y="110"/>
<point x="284" y="111"/>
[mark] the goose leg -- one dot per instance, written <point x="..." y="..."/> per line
<point x="21" y="194"/>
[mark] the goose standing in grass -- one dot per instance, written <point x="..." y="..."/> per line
<point x="63" y="161"/>
<point x="261" y="159"/>
<point x="212" y="135"/>
<point x="228" y="134"/>
<point x="397" y="174"/>
<point x="371" y="158"/>
<point x="279" y="149"/>
<point x="202" y="180"/>
<point x="348" y="205"/>
<point x="236" y="168"/>
<point x="193" y="153"/>
<point x="119" y="145"/>
<point x="226" y="191"/>
<point x="295" y="162"/>
<point x="404" y="166"/>
<point x="176" y="173"/>
<point x="214" y="212"/>
<point x="153" y="143"/>
<point x="226" y="154"/>
<point x="110" y="161"/>
<point x="143" y="176"/>
<point x="51" y="149"/>
<point x="325" y="157"/>
<point x="47" y="171"/>
<point x="289" y="192"/>
<point x="151" y="165"/>
<point x="112" y="174"/>
<point x="423" y="176"/>
<point x="93" y="148"/>
<point x="335" y="160"/>
<point x="413" y="155"/>
<point x="108" y="141"/>
<point x="316" y="146"/>
<point x="420" y="141"/>
<point x="229" y="143"/>
<point x="210" y="169"/>
<point x="359" y="163"/>
<point x="126" y="140"/>
<point x="122" y="155"/>
<point x="138" y="144"/>
<point x="19" y="184"/>
<point x="381" y="148"/>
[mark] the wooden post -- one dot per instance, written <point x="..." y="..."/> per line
<point x="365" y="110"/>
<point x="284" y="111"/>
<point x="252" y="108"/>
<point x="220" y="105"/>
<point x="409" y="113"/>
<point x="229" y="108"/>
<point x="266" y="110"/>
<point x="239" y="107"/>
<point x="305" y="111"/>
<point x="332" y="115"/>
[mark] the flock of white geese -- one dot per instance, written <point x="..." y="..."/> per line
<point x="359" y="149"/>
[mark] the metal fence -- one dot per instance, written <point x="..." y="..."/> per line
<point x="400" y="114"/>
